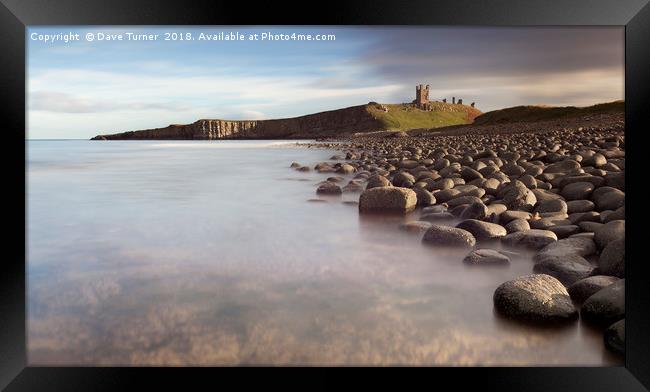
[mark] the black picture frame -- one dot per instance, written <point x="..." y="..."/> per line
<point x="16" y="15"/>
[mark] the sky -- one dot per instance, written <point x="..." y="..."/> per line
<point x="78" y="89"/>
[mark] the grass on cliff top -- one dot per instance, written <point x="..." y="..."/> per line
<point x="543" y="113"/>
<point x="401" y="117"/>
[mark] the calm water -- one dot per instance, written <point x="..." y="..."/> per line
<point x="206" y="253"/>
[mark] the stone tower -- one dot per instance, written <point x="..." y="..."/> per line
<point x="422" y="96"/>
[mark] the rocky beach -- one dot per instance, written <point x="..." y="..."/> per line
<point x="553" y="189"/>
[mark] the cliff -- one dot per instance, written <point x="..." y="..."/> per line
<point x="341" y="122"/>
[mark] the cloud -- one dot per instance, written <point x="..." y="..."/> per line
<point x="68" y="103"/>
<point x="494" y="67"/>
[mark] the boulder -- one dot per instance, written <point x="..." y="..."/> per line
<point x="552" y="205"/>
<point x="567" y="268"/>
<point x="517" y="197"/>
<point x="569" y="246"/>
<point x="448" y="236"/>
<point x="437" y="216"/>
<point x="611" y="231"/>
<point x="329" y="188"/>
<point x="532" y="239"/>
<point x="387" y="199"/>
<point x="608" y="198"/>
<point x="415" y="226"/>
<point x="486" y="257"/>
<point x="377" y="182"/>
<point x="565" y="231"/>
<point x="565" y="166"/>
<point x="425" y="198"/>
<point x="612" y="259"/>
<point x="517" y="225"/>
<point x="615" y="337"/>
<point x="577" y="190"/>
<point x="346" y="168"/>
<point x="482" y="230"/>
<point x="476" y="210"/>
<point x="507" y="216"/>
<point x="537" y="298"/>
<point x="580" y="206"/>
<point x="606" y="306"/>
<point x="585" y="288"/>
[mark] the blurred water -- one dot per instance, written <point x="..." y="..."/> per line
<point x="206" y="253"/>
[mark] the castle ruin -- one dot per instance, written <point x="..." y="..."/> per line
<point x="422" y="101"/>
<point x="422" y="97"/>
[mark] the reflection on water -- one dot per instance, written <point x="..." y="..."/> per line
<point x="187" y="253"/>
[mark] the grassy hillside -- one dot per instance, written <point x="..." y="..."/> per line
<point x="400" y="117"/>
<point x="543" y="113"/>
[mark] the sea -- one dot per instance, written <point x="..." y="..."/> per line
<point x="203" y="253"/>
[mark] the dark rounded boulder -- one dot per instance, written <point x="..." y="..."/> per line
<point x="482" y="230"/>
<point x="329" y="188"/>
<point x="486" y="257"/>
<point x="537" y="298"/>
<point x="532" y="239"/>
<point x="387" y="199"/>
<point x="567" y="268"/>
<point x="448" y="236"/>
<point x="585" y="288"/>
<point x="606" y="306"/>
<point x="615" y="337"/>
<point x="612" y="259"/>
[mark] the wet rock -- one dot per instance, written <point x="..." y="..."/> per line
<point x="475" y="210"/>
<point x="615" y="337"/>
<point x="569" y="246"/>
<point x="508" y="216"/>
<point x="612" y="259"/>
<point x="538" y="298"/>
<point x="565" y="166"/>
<point x="616" y="180"/>
<point x="517" y="225"/>
<point x="578" y="190"/>
<point x="346" y="169"/>
<point x="517" y="197"/>
<point x="608" y="198"/>
<point x="295" y="165"/>
<point x="585" y="288"/>
<point x="329" y="188"/>
<point x="387" y="199"/>
<point x="606" y="306"/>
<point x="567" y="268"/>
<point x="425" y="198"/>
<point x="532" y="239"/>
<point x="580" y="206"/>
<point x="589" y="226"/>
<point x="445" y="195"/>
<point x="433" y="209"/>
<point x="579" y="217"/>
<point x="553" y="205"/>
<point x="611" y="231"/>
<point x="448" y="236"/>
<point x="463" y="200"/>
<point x="486" y="257"/>
<point x="401" y="178"/>
<point x="377" y="182"/>
<point x="618" y="214"/>
<point x="546" y="223"/>
<point x="353" y="186"/>
<point x="437" y="217"/>
<point x="565" y="231"/>
<point x="415" y="226"/>
<point x="482" y="230"/>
